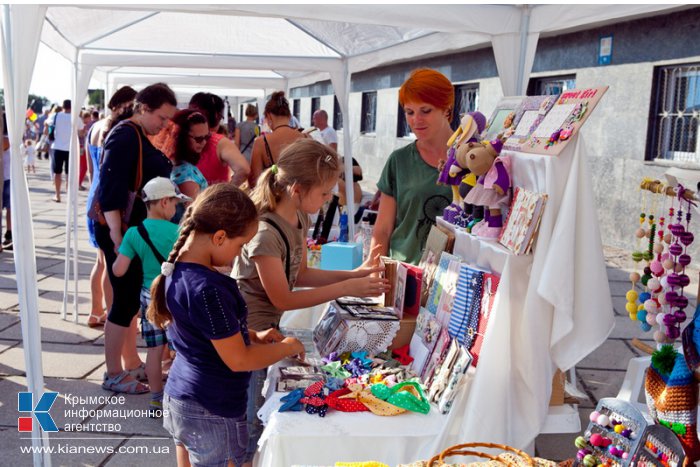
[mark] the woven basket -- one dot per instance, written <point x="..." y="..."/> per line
<point x="512" y="457"/>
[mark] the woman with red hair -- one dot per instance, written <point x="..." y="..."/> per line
<point x="410" y="198"/>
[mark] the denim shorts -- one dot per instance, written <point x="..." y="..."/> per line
<point x="152" y="334"/>
<point x="210" y="440"/>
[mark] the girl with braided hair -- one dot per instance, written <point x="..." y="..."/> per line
<point x="205" y="396"/>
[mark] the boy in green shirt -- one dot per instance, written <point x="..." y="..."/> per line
<point x="151" y="242"/>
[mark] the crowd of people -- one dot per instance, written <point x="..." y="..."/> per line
<point x="201" y="236"/>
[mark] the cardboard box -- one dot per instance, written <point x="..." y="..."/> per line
<point x="558" y="388"/>
<point x="406" y="330"/>
<point x="341" y="256"/>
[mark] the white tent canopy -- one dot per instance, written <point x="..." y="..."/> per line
<point x="284" y="45"/>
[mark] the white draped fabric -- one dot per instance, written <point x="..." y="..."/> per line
<point x="21" y="25"/>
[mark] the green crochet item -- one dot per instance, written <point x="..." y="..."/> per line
<point x="664" y="359"/>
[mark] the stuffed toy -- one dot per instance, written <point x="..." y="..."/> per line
<point x="456" y="174"/>
<point x="492" y="189"/>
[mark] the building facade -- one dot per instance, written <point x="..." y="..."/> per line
<point x="647" y="121"/>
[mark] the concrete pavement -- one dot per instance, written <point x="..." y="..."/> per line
<point x="73" y="359"/>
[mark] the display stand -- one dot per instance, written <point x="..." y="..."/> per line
<point x="552" y="309"/>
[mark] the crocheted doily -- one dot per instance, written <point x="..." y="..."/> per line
<point x="372" y="336"/>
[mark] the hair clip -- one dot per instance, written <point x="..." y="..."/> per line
<point x="273" y="169"/>
<point x="328" y="158"/>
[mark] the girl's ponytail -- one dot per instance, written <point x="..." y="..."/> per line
<point x="304" y="162"/>
<point x="266" y="193"/>
<point x="158" y="312"/>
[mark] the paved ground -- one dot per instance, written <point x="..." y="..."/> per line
<point x="73" y="355"/>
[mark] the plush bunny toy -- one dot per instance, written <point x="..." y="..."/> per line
<point x="453" y="173"/>
<point x="493" y="184"/>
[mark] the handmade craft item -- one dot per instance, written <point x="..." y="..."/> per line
<point x="563" y="121"/>
<point x="672" y="398"/>
<point x="528" y="116"/>
<point x="523" y="221"/>
<point x="455" y="173"/>
<point x="493" y="185"/>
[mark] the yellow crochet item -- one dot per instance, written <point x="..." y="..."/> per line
<point x="360" y="464"/>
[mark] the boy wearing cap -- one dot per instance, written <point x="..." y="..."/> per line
<point x="151" y="242"/>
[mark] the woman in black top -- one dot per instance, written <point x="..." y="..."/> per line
<point x="154" y="106"/>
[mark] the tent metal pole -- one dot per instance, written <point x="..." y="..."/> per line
<point x="524" y="33"/>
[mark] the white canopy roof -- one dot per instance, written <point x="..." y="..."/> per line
<point x="294" y="44"/>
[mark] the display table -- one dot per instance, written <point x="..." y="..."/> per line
<point x="552" y="309"/>
<point x="292" y="438"/>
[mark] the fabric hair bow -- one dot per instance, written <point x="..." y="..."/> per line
<point x="401" y="354"/>
<point x="374" y="404"/>
<point x="362" y="356"/>
<point x="291" y="402"/>
<point x="336" y="370"/>
<point x="407" y="395"/>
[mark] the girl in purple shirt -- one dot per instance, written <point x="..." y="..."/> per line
<point x="204" y="407"/>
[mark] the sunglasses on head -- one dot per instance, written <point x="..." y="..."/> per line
<point x="200" y="139"/>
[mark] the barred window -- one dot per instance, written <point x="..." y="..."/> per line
<point x="315" y="105"/>
<point x="402" y="128"/>
<point x="369" y="112"/>
<point x="675" y="114"/>
<point x="296" y="109"/>
<point x="337" y="115"/>
<point x="466" y="100"/>
<point x="551" y="85"/>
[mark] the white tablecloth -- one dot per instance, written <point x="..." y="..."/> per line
<point x="552" y="309"/>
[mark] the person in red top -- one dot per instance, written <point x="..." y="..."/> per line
<point x="220" y="155"/>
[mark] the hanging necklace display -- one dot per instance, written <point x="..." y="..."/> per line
<point x="677" y="279"/>
<point x="637" y="256"/>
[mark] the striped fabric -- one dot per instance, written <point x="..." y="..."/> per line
<point x="464" y="320"/>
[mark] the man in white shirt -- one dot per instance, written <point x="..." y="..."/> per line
<point x="61" y="145"/>
<point x="328" y="134"/>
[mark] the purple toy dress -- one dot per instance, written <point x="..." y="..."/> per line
<point x="445" y="178"/>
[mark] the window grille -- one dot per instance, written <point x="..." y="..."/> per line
<point x="676" y="114"/>
<point x="369" y="112"/>
<point x="466" y="100"/>
<point x="551" y="85"/>
<point x="337" y="115"/>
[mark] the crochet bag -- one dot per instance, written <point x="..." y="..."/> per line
<point x="672" y="398"/>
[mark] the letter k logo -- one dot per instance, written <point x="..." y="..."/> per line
<point x="25" y="403"/>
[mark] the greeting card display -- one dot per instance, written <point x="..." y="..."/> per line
<point x="390" y="266"/>
<point x="502" y="118"/>
<point x="528" y="116"/>
<point x="464" y="320"/>
<point x="563" y="121"/>
<point x="434" y="246"/>
<point x="298" y="377"/>
<point x="414" y="285"/>
<point x="449" y="289"/>
<point x="523" y="221"/>
<point x="457" y="373"/>
<point x="436" y="356"/>
<point x="440" y="284"/>
<point x="423" y="340"/>
<point x="400" y="288"/>
<point x="488" y="295"/>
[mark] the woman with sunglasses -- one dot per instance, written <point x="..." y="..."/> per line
<point x="188" y="136"/>
<point x="220" y="155"/>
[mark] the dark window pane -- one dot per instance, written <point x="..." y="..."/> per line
<point x="466" y="100"/>
<point x="337" y="115"/>
<point x="369" y="112"/>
